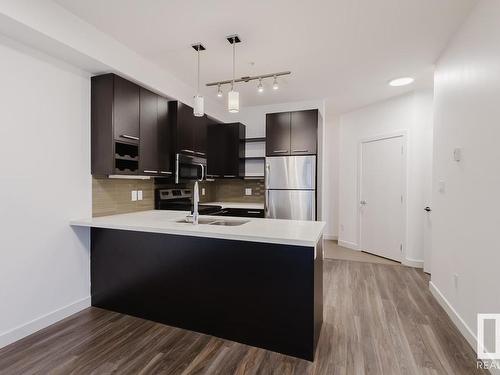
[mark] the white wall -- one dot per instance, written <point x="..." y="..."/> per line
<point x="465" y="216"/>
<point x="45" y="182"/>
<point x="331" y="171"/>
<point x="411" y="113"/>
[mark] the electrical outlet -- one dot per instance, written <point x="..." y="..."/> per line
<point x="248" y="191"/>
<point x="133" y="196"/>
<point x="455" y="280"/>
<point x="203" y="191"/>
<point x="139" y="195"/>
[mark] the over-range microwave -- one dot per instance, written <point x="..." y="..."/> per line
<point x="188" y="168"/>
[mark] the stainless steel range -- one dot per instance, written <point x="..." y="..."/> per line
<point x="181" y="200"/>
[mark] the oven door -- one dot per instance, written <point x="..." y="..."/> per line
<point x="188" y="168"/>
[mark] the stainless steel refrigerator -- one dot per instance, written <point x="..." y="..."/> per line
<point x="291" y="187"/>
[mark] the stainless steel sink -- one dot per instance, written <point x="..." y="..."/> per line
<point x="212" y="221"/>
<point x="229" y="223"/>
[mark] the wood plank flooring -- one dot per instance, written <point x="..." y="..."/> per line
<point x="379" y="319"/>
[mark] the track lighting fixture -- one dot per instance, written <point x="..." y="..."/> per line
<point x="233" y="96"/>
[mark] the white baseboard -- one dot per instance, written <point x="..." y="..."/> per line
<point x="330" y="237"/>
<point x="413" y="263"/>
<point x="464" y="329"/>
<point x="349" y="245"/>
<point x="46" y="320"/>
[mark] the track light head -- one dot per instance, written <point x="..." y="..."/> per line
<point x="275" y="83"/>
<point x="260" y="88"/>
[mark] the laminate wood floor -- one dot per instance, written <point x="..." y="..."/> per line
<point x="379" y="319"/>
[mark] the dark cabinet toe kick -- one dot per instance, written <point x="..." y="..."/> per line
<point x="265" y="295"/>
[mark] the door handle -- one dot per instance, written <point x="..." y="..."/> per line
<point x="363" y="202"/>
<point x="428" y="209"/>
<point x="129" y="137"/>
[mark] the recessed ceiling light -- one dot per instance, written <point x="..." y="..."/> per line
<point x="403" y="81"/>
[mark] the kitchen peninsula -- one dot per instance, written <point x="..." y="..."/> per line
<point x="255" y="281"/>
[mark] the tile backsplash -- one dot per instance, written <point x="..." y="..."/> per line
<point x="234" y="191"/>
<point x="113" y="196"/>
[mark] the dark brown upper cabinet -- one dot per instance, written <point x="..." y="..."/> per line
<point x="189" y="132"/>
<point x="304" y="132"/>
<point x="148" y="144"/>
<point x="278" y="134"/>
<point x="226" y="150"/>
<point x="292" y="133"/>
<point x="164" y="139"/>
<point x="126" y="110"/>
<point x="129" y="127"/>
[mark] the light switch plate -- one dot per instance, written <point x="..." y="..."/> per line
<point x="133" y="196"/>
<point x="139" y="195"/>
<point x="248" y="191"/>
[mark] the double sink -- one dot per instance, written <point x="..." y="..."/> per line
<point x="212" y="221"/>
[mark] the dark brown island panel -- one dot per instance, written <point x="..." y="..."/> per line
<point x="262" y="294"/>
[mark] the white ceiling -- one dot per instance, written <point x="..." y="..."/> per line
<point x="345" y="50"/>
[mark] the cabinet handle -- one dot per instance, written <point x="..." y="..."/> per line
<point x="213" y="175"/>
<point x="190" y="151"/>
<point x="300" y="150"/>
<point x="229" y="175"/>
<point x="147" y="171"/>
<point x="253" y="212"/>
<point x="129" y="137"/>
<point x="280" y="151"/>
<point x="163" y="172"/>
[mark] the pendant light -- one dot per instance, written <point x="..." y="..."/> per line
<point x="233" y="97"/>
<point x="198" y="105"/>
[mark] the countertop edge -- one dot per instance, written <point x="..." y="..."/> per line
<point x="187" y="232"/>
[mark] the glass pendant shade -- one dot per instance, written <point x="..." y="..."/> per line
<point x="233" y="101"/>
<point x="198" y="109"/>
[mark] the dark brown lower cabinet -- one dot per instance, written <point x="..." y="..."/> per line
<point x="261" y="294"/>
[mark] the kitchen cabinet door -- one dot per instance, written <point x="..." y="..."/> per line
<point x="148" y="144"/>
<point x="164" y="139"/>
<point x="199" y="129"/>
<point x="226" y="150"/>
<point x="278" y="134"/>
<point x="126" y="110"/>
<point x="304" y="132"/>
<point x="185" y="129"/>
<point x="216" y="150"/>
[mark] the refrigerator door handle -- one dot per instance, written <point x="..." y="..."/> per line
<point x="266" y="206"/>
<point x="268" y="170"/>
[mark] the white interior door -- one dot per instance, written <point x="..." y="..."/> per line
<point x="381" y="197"/>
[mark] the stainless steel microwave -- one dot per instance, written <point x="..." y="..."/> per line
<point x="188" y="168"/>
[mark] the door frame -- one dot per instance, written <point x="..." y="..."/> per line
<point x="404" y="184"/>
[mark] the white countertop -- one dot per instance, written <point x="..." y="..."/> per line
<point x="289" y="232"/>
<point x="245" y="206"/>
